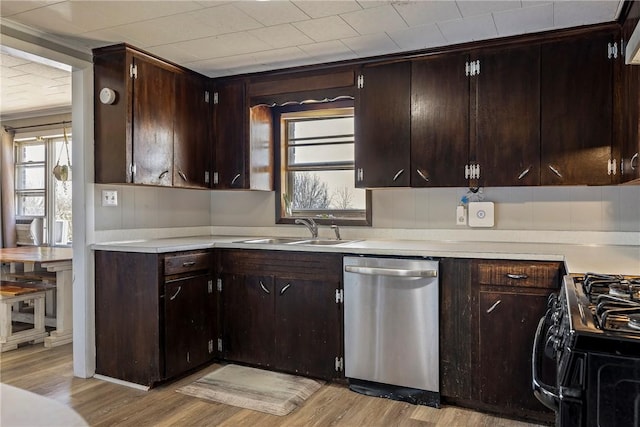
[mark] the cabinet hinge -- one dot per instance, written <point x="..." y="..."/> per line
<point x="360" y="82"/>
<point x="339" y="296"/>
<point x="210" y="286"/>
<point x="206" y="177"/>
<point x="339" y="364"/>
<point x="133" y="71"/>
<point x="472" y="68"/>
<point x="472" y="171"/>
<point x="219" y="344"/>
<point x="215" y="178"/>
<point x="612" y="50"/>
<point x="132" y="169"/>
<point x="206" y="96"/>
<point x="210" y="346"/>
<point x="215" y="98"/>
<point x="360" y="175"/>
<point x="219" y="285"/>
<point x="612" y="168"/>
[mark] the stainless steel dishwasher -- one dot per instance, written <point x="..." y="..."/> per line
<point x="391" y="340"/>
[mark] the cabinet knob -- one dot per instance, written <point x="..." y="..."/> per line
<point x="183" y="176"/>
<point x="634" y="162"/>
<point x="524" y="172"/>
<point x="556" y="171"/>
<point x="422" y="175"/>
<point x="163" y="174"/>
<point x="176" y="294"/>
<point x="235" y="178"/>
<point x="515" y="276"/>
<point x="493" y="307"/>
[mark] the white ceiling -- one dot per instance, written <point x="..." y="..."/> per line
<point x="219" y="38"/>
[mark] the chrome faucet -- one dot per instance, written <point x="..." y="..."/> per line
<point x="336" y="229"/>
<point x="310" y="224"/>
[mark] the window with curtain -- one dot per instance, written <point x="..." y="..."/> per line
<point x="41" y="193"/>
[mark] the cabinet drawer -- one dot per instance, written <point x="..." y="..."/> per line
<point x="184" y="263"/>
<point x="516" y="273"/>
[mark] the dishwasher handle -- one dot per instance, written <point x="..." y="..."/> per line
<point x="395" y="272"/>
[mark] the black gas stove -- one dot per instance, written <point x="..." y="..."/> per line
<point x="591" y="334"/>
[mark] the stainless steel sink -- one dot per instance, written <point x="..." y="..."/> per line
<point x="322" y="242"/>
<point x="273" y="240"/>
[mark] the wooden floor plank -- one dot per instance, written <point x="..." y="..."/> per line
<point x="49" y="372"/>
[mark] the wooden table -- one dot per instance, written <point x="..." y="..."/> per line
<point x="57" y="260"/>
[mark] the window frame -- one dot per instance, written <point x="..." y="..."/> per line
<point x="50" y="139"/>
<point x="281" y="168"/>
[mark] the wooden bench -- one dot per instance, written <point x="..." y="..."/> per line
<point x="16" y="292"/>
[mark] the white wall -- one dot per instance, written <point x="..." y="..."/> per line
<point x="607" y="208"/>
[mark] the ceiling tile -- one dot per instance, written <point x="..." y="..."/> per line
<point x="468" y="29"/>
<point x="7" y="72"/>
<point x="41" y="70"/>
<point x="285" y="57"/>
<point x="8" y="7"/>
<point x="272" y="13"/>
<point x="414" y="38"/>
<point x="371" y="45"/>
<point x="375" y="20"/>
<point x="323" y="29"/>
<point x="525" y="20"/>
<point x="7" y="60"/>
<point x="106" y="37"/>
<point x="283" y="35"/>
<point x="225" y="19"/>
<point x="332" y="50"/>
<point x="427" y="12"/>
<point x="574" y="13"/>
<point x="221" y="46"/>
<point x="175" y="53"/>
<point x="368" y="4"/>
<point x="163" y="30"/>
<point x="319" y="9"/>
<point x="473" y="8"/>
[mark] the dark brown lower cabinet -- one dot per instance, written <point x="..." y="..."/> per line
<point x="489" y="311"/>
<point x="280" y="310"/>
<point x="155" y="314"/>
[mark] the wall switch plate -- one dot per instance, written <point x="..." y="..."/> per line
<point x="461" y="215"/>
<point x="481" y="214"/>
<point x="109" y="198"/>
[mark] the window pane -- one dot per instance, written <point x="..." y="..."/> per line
<point x="321" y="127"/>
<point x="30" y="205"/>
<point x="325" y="190"/>
<point x="320" y="154"/>
<point x="31" y="153"/>
<point x="30" y="177"/>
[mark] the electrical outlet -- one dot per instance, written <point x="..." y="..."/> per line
<point x="109" y="198"/>
<point x="461" y="215"/>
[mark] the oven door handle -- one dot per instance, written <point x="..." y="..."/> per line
<point x="545" y="393"/>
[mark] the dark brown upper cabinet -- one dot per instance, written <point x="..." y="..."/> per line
<point x="577" y="111"/>
<point x="439" y="121"/>
<point x="230" y="128"/>
<point x="505" y="117"/>
<point x="383" y="126"/>
<point x="627" y="144"/>
<point x="137" y="132"/>
<point x="243" y="153"/>
<point x="191" y="141"/>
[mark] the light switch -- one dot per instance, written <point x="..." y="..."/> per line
<point x="109" y="198"/>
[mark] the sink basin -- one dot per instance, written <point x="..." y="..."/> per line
<point x="321" y="242"/>
<point x="273" y="241"/>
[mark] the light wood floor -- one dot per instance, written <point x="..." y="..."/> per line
<point x="49" y="372"/>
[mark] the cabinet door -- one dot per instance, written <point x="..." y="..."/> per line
<point x="248" y="318"/>
<point x="506" y="136"/>
<point x="189" y="313"/>
<point x="439" y="122"/>
<point x="230" y="136"/>
<point x="383" y="126"/>
<point x="308" y="331"/>
<point x="191" y="145"/>
<point x="507" y="326"/>
<point x="629" y="139"/>
<point x="576" y="111"/>
<point x="153" y="113"/>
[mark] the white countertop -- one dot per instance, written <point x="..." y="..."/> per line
<point x="577" y="258"/>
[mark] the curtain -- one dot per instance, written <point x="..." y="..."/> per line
<point x="7" y="207"/>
